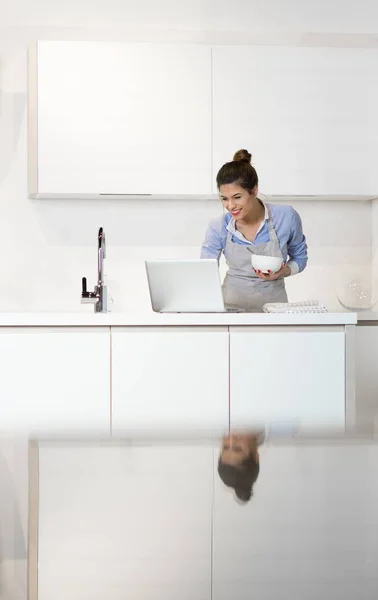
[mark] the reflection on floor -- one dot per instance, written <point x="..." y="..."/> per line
<point x="310" y="530"/>
<point x="157" y="522"/>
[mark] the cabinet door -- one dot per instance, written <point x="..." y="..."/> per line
<point x="169" y="379"/>
<point x="125" y="522"/>
<point x="366" y="375"/>
<point x="282" y="376"/>
<point x="116" y="118"/>
<point x="307" y="532"/>
<point x="13" y="517"/>
<point x="55" y="380"/>
<point x="310" y="130"/>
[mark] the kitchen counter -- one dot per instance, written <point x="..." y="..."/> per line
<point x="151" y="319"/>
<point x="76" y="373"/>
<point x="367" y="316"/>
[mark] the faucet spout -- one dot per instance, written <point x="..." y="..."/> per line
<point x="101" y="240"/>
<point x="101" y="254"/>
<point x="99" y="297"/>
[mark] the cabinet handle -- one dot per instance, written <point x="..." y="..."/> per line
<point x="104" y="194"/>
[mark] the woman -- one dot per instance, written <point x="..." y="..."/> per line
<point x="252" y="226"/>
<point x="239" y="463"/>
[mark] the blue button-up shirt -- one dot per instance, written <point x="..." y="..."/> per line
<point x="286" y="222"/>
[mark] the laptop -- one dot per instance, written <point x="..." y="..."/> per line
<point x="185" y="286"/>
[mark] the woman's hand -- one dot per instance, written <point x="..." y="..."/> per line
<point x="284" y="271"/>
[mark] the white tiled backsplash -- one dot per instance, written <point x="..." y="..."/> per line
<point x="45" y="264"/>
<point x="48" y="246"/>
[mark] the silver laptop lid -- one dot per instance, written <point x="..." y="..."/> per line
<point x="187" y="286"/>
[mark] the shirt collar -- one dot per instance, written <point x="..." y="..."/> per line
<point x="266" y="216"/>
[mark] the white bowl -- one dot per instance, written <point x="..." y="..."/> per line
<point x="266" y="263"/>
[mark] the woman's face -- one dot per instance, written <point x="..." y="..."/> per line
<point x="237" y="200"/>
<point x="237" y="447"/>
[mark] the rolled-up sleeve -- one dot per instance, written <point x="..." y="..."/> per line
<point x="213" y="245"/>
<point x="297" y="246"/>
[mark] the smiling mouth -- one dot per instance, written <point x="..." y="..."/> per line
<point x="236" y="211"/>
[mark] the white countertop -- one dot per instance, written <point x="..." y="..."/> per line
<point x="151" y="319"/>
<point x="367" y="315"/>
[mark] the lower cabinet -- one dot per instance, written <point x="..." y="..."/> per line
<point x="124" y="522"/>
<point x="367" y="376"/>
<point x="287" y="376"/>
<point x="13" y="517"/>
<point x="55" y="380"/>
<point x="170" y="380"/>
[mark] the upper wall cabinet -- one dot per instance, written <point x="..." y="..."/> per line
<point x="308" y="116"/>
<point x="160" y="119"/>
<point x="116" y="118"/>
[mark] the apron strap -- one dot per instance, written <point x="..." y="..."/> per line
<point x="272" y="232"/>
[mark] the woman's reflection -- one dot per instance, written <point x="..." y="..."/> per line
<point x="239" y="463"/>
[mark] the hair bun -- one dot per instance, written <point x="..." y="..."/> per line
<point x="243" y="495"/>
<point x="243" y="155"/>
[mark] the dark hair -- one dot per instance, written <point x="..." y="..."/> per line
<point x="241" y="477"/>
<point x="239" y="171"/>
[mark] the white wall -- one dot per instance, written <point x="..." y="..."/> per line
<point x="324" y="16"/>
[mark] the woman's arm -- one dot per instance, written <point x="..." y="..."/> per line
<point x="296" y="246"/>
<point x="214" y="240"/>
<point x="296" y="249"/>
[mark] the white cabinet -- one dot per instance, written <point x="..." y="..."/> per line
<point x="287" y="376"/>
<point x="13" y="517"/>
<point x="307" y="115"/>
<point x="125" y="522"/>
<point x="117" y="118"/>
<point x="143" y="380"/>
<point x="113" y="118"/>
<point x="170" y="379"/>
<point x="55" y="380"/>
<point x="366" y="375"/>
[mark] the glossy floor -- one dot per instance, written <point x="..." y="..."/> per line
<point x="156" y="522"/>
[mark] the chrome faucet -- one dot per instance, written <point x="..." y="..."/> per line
<point x="99" y="297"/>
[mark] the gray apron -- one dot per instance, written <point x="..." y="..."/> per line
<point x="242" y="289"/>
